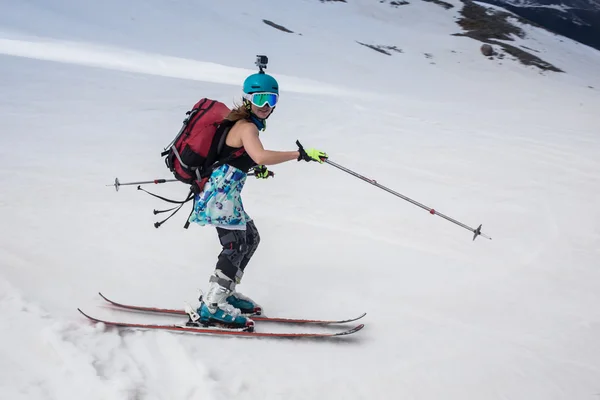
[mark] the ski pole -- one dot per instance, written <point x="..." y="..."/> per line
<point x="117" y="183"/>
<point x="476" y="232"/>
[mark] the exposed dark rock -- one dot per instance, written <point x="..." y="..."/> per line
<point x="482" y="23"/>
<point x="487" y="50"/>
<point x="526" y="58"/>
<point x="488" y="26"/>
<point x="382" y="49"/>
<point x="274" y="25"/>
<point x="395" y="3"/>
<point x="447" y="6"/>
<point x="529" y="48"/>
<point x="394" y="48"/>
<point x="376" y="48"/>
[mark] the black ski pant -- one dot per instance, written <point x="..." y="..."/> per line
<point x="238" y="248"/>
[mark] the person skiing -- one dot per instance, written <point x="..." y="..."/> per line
<point x="219" y="203"/>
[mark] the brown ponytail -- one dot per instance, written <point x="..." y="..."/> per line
<point x="239" y="112"/>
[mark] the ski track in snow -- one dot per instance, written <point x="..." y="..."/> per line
<point x="73" y="360"/>
<point x="151" y="64"/>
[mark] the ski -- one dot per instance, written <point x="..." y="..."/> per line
<point x="257" y="318"/>
<point x="217" y="331"/>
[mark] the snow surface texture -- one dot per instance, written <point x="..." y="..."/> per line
<point x="94" y="90"/>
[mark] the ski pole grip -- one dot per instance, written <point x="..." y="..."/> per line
<point x="300" y="150"/>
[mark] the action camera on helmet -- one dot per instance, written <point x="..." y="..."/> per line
<point x="261" y="62"/>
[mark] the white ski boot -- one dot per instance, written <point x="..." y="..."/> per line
<point x="216" y="310"/>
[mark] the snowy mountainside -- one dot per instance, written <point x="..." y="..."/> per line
<point x="94" y="90"/>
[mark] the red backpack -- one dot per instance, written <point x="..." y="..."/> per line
<point x="195" y="151"/>
<point x="196" y="147"/>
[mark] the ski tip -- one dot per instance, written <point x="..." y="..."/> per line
<point x="357" y="318"/>
<point x="88" y="316"/>
<point x="350" y="331"/>
<point x="106" y="298"/>
<point x="344" y="321"/>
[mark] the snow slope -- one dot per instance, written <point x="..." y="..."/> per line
<point x="90" y="91"/>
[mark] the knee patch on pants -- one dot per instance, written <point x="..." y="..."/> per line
<point x="252" y="240"/>
<point x="234" y="250"/>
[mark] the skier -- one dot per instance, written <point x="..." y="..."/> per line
<point x="219" y="204"/>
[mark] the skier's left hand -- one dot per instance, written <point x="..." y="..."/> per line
<point x="311" y="154"/>
<point x="261" y="172"/>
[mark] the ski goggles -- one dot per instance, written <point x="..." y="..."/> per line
<point x="262" y="98"/>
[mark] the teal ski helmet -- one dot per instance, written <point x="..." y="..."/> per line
<point x="261" y="82"/>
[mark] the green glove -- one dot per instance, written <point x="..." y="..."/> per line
<point x="311" y="154"/>
<point x="261" y="172"/>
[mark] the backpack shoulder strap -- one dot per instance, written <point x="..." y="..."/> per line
<point x="224" y="128"/>
<point x="216" y="159"/>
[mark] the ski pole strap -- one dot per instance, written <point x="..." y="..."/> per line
<point x="189" y="197"/>
<point x="164" y="198"/>
<point x="164" y="211"/>
<point x="195" y="190"/>
<point x="158" y="224"/>
<point x="187" y="221"/>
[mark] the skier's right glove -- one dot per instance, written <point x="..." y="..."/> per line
<point x="311" y="154"/>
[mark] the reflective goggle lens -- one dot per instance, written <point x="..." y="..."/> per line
<point x="260" y="99"/>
